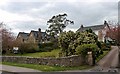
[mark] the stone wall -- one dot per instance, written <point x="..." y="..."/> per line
<point x="61" y="61"/>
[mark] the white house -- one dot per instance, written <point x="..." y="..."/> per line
<point x="99" y="30"/>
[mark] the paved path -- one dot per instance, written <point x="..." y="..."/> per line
<point x="16" y="69"/>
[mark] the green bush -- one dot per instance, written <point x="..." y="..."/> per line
<point x="105" y="46"/>
<point x="83" y="49"/>
<point x="98" y="44"/>
<point x="28" y="48"/>
<point x="44" y="47"/>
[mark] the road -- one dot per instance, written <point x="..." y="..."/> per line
<point x="16" y="69"/>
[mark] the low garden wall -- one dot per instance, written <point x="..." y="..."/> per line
<point x="61" y="61"/>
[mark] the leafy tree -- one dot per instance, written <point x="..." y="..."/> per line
<point x="57" y="24"/>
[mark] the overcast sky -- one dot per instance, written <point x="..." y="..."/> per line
<point x="27" y="15"/>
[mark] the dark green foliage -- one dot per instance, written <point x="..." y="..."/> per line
<point x="46" y="49"/>
<point x="105" y="46"/>
<point x="46" y="46"/>
<point x="98" y="44"/>
<point x="3" y="51"/>
<point x="42" y="45"/>
<point x="84" y="48"/>
<point x="57" y="24"/>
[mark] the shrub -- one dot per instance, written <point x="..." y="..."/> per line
<point x="44" y="47"/>
<point x="83" y="49"/>
<point x="98" y="44"/>
<point x="65" y="39"/>
<point x="3" y="51"/>
<point x="28" y="48"/>
<point x="105" y="46"/>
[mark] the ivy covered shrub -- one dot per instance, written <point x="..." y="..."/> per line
<point x="85" y="48"/>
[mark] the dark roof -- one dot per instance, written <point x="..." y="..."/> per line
<point x="35" y="33"/>
<point x="96" y="27"/>
<point x="43" y="34"/>
<point x="23" y="34"/>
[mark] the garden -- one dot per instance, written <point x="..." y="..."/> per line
<point x="68" y="43"/>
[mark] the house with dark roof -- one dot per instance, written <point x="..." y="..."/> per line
<point x="99" y="30"/>
<point x="22" y="37"/>
<point x="33" y="37"/>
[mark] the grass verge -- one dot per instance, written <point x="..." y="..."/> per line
<point x="47" y="68"/>
<point x="53" y="53"/>
<point x="101" y="56"/>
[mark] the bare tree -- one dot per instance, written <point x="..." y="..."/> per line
<point x="7" y="38"/>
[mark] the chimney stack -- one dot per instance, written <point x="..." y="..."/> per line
<point x="39" y="35"/>
<point x="39" y="29"/>
<point x="81" y="26"/>
<point x="105" y="22"/>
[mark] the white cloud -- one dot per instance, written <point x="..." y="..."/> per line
<point x="11" y="17"/>
<point x="8" y="17"/>
<point x="60" y="0"/>
<point x="34" y="14"/>
<point x="3" y="2"/>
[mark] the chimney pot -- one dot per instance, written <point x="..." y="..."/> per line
<point x="39" y="29"/>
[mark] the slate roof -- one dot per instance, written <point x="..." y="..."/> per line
<point x="35" y="34"/>
<point x="95" y="27"/>
<point x="24" y="35"/>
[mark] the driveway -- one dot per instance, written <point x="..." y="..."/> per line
<point x="109" y="62"/>
<point x="111" y="59"/>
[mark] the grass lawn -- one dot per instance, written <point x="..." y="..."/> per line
<point x="47" y="68"/>
<point x="53" y="53"/>
<point x="101" y="56"/>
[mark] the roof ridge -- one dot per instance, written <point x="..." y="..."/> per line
<point x="94" y="25"/>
